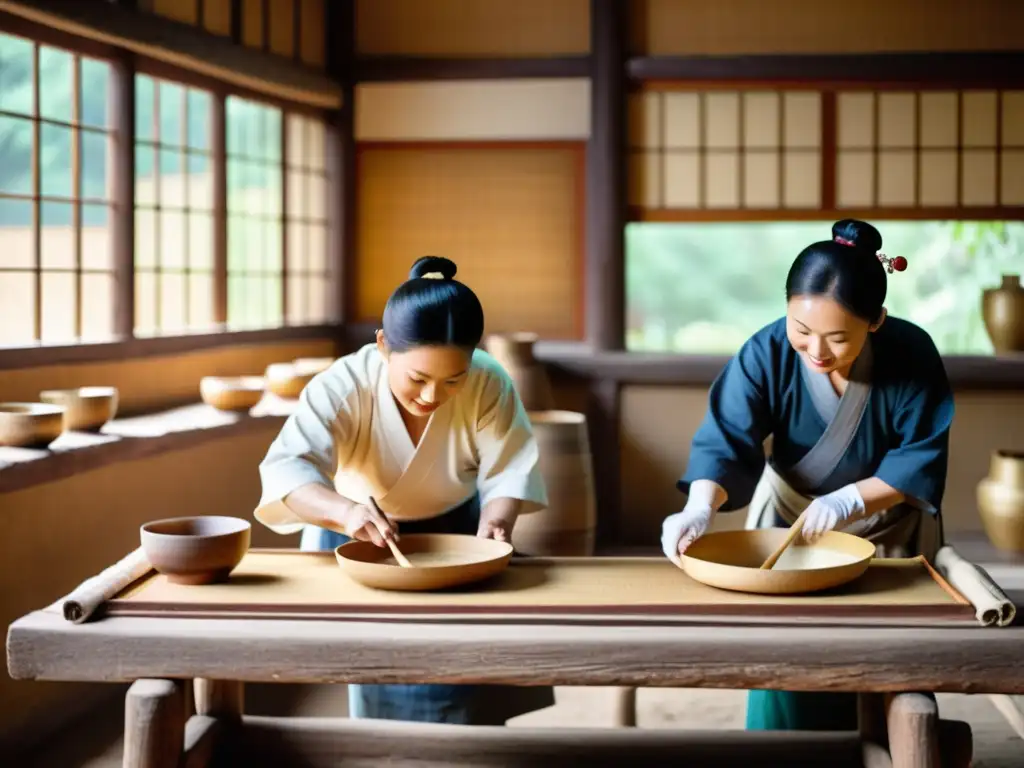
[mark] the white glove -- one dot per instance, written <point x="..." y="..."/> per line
<point x="680" y="530"/>
<point x="827" y="512"/>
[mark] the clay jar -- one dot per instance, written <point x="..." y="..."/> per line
<point x="514" y="351"/>
<point x="1000" y="498"/>
<point x="1003" y="311"/>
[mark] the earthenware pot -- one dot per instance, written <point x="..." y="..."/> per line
<point x="1003" y="311"/>
<point x="196" y="550"/>
<point x="30" y="425"/>
<point x="566" y="527"/>
<point x="514" y="351"/>
<point x="86" y="409"/>
<point x="232" y="393"/>
<point x="1000" y="498"/>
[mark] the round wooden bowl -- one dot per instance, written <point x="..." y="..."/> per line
<point x="286" y="380"/>
<point x="86" y="409"/>
<point x="30" y="425"/>
<point x="732" y="560"/>
<point x="232" y="393"/>
<point x="196" y="550"/>
<point x="439" y="561"/>
<point x="312" y="365"/>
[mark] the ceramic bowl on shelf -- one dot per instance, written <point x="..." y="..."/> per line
<point x="30" y="425"/>
<point x="312" y="365"/>
<point x="196" y="550"/>
<point x="86" y="409"/>
<point x="232" y="393"/>
<point x="287" y="380"/>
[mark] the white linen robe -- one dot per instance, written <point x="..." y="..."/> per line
<point x="347" y="433"/>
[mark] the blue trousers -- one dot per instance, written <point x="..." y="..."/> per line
<point x="458" y="704"/>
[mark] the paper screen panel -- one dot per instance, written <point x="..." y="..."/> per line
<point x="510" y="218"/>
<point x="447" y="28"/>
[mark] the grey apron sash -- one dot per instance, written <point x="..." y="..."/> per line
<point x="779" y="499"/>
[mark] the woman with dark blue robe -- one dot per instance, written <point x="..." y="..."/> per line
<point x="858" y="408"/>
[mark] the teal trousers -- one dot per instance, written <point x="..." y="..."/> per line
<point x="799" y="711"/>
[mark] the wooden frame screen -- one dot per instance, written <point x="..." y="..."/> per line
<point x="716" y="152"/>
<point x="510" y="215"/>
<point x="56" y="259"/>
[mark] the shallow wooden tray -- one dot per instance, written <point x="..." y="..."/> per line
<point x="292" y="584"/>
<point x="440" y="561"/>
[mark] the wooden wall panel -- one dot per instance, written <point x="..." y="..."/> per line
<point x="473" y="110"/>
<point x="252" y="23"/>
<point x="282" y="27"/>
<point x="510" y="217"/>
<point x="694" y="27"/>
<point x="446" y="28"/>
<point x="311" y="32"/>
<point x="217" y="17"/>
<point x="186" y="11"/>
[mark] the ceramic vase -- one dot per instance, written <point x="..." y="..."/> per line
<point x="1000" y="498"/>
<point x="514" y="351"/>
<point x="566" y="528"/>
<point x="1003" y="311"/>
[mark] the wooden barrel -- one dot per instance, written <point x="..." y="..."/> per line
<point x="567" y="526"/>
<point x="514" y="351"/>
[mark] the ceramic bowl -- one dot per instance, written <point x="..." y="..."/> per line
<point x="286" y="380"/>
<point x="86" y="409"/>
<point x="439" y="561"/>
<point x="30" y="425"/>
<point x="732" y="560"/>
<point x="232" y="393"/>
<point x="196" y="550"/>
<point x="312" y="364"/>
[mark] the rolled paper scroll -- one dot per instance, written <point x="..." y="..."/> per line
<point x="991" y="604"/>
<point x="80" y="604"/>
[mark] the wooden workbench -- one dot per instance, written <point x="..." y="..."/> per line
<point x="893" y="667"/>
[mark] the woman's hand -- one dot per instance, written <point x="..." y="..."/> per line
<point x="680" y="530"/>
<point x="363" y="522"/>
<point x="830" y="511"/>
<point x="497" y="519"/>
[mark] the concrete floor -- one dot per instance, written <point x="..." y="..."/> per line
<point x="96" y="741"/>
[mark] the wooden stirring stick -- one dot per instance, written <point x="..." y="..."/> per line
<point x="402" y="559"/>
<point x="794" y="531"/>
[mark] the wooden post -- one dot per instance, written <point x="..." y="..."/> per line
<point x="154" y="724"/>
<point x="219" y="698"/>
<point x="913" y="725"/>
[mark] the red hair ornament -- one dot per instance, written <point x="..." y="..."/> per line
<point x="894" y="264"/>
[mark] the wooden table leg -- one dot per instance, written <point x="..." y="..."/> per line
<point x="624" y="714"/>
<point x="912" y="721"/>
<point x="154" y="724"/>
<point x="219" y="698"/>
<point x="871" y="724"/>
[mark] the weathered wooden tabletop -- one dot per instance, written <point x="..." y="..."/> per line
<point x="971" y="659"/>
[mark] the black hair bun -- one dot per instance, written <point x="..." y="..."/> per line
<point x="862" y="235"/>
<point x="424" y="265"/>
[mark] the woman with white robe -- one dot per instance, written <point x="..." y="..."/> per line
<point x="432" y="429"/>
<point x="858" y="407"/>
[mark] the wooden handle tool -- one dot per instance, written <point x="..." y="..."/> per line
<point x="794" y="531"/>
<point x="402" y="559"/>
